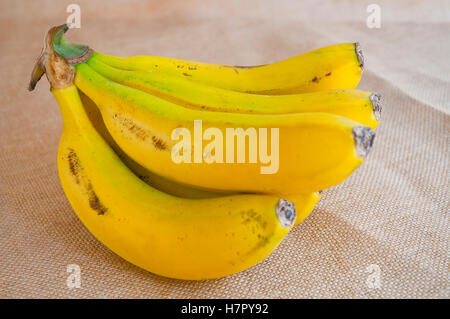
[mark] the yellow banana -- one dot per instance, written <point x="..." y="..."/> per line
<point x="167" y="235"/>
<point x="357" y="105"/>
<point x="304" y="202"/>
<point x="316" y="150"/>
<point x="333" y="67"/>
<point x="173" y="237"/>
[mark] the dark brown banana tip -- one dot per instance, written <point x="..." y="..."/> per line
<point x="364" y="137"/>
<point x="359" y="55"/>
<point x="37" y="73"/>
<point x="375" y="98"/>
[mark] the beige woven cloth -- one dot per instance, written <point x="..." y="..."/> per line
<point x="392" y="213"/>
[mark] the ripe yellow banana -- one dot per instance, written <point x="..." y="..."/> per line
<point x="357" y="105"/>
<point x="333" y="67"/>
<point x="173" y="237"/>
<point x="154" y="180"/>
<point x="304" y="202"/>
<point x="167" y="235"/>
<point x="316" y="150"/>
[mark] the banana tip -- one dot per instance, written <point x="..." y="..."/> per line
<point x="359" y="55"/>
<point x="364" y="137"/>
<point x="286" y="213"/>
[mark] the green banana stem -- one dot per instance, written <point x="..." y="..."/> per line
<point x="55" y="67"/>
<point x="72" y="52"/>
<point x="56" y="59"/>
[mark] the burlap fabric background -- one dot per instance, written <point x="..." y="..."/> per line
<point x="393" y="212"/>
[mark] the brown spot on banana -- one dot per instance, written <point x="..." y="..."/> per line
<point x="74" y="165"/>
<point x="94" y="201"/>
<point x="133" y="127"/>
<point x="141" y="133"/>
<point x="251" y="216"/>
<point x="76" y="169"/>
<point x="159" y="143"/>
<point x="145" y="178"/>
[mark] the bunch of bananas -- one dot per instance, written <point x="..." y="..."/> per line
<point x="202" y="219"/>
